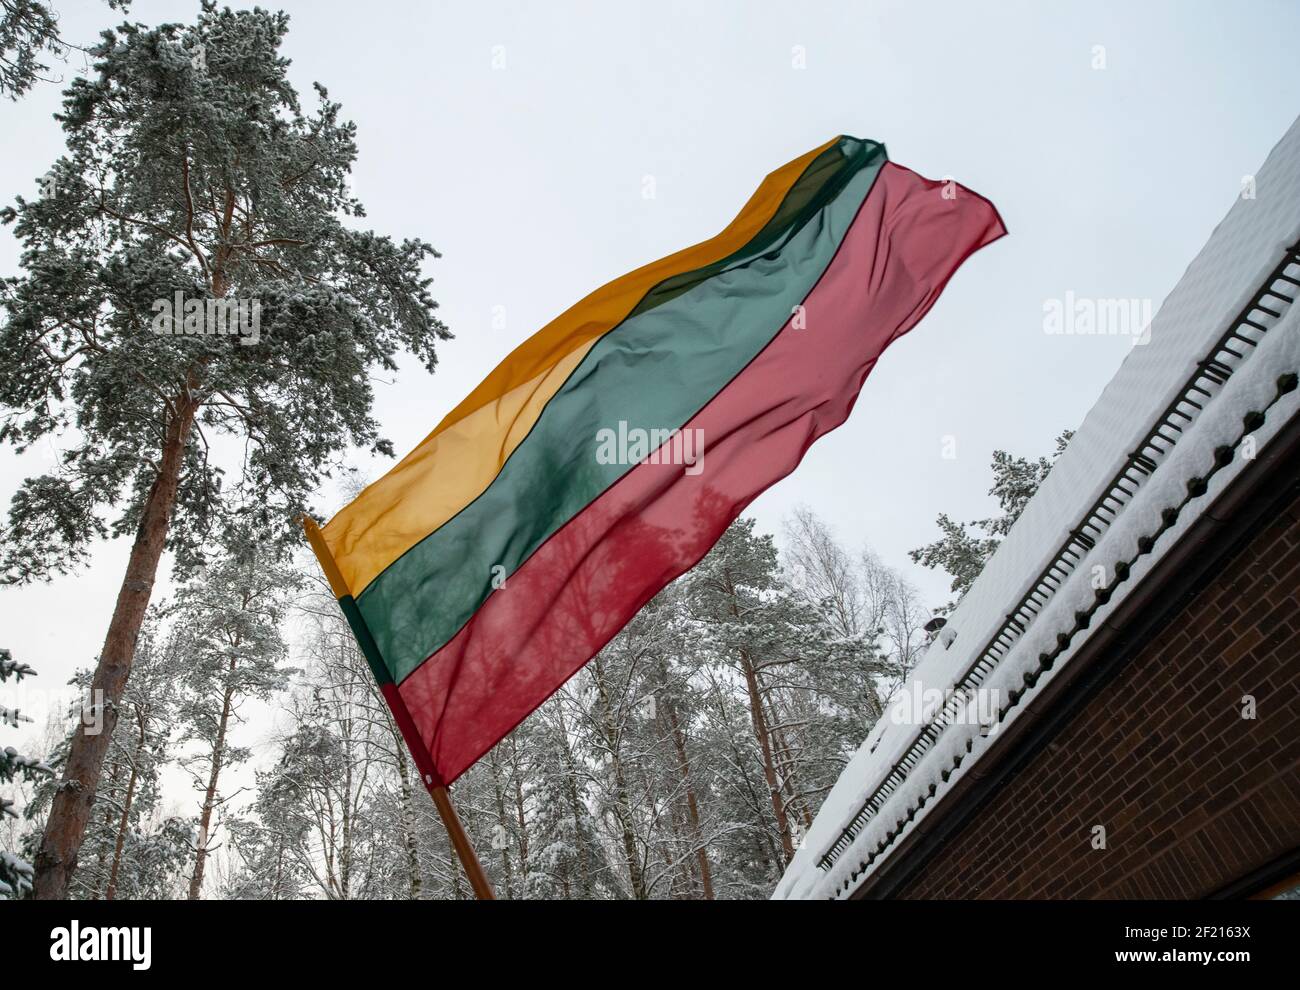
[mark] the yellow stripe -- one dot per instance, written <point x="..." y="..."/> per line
<point x="322" y="552"/>
<point x="455" y="463"/>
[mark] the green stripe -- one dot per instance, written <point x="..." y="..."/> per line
<point x="655" y="371"/>
<point x="369" y="649"/>
<point x="803" y="197"/>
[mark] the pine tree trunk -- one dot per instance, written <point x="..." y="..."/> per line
<point x="766" y="853"/>
<point x="209" y="799"/>
<point x="692" y="805"/>
<point x="765" y="745"/>
<point x="66" y="826"/>
<point x="688" y="866"/>
<point x="120" y="844"/>
<point x="761" y="733"/>
<point x="789" y="774"/>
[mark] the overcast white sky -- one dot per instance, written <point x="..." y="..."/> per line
<point x="528" y="177"/>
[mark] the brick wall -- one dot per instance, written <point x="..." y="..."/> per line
<point x="1192" y="795"/>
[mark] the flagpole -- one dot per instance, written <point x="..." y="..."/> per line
<point x="366" y="642"/>
<point x="460" y="842"/>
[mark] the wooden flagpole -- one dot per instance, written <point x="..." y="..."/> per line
<point x="460" y="842"/>
<point x="441" y="799"/>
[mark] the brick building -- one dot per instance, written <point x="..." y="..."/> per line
<point x="1113" y="710"/>
<point x="1198" y="801"/>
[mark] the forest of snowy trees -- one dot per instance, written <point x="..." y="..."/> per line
<point x="685" y="761"/>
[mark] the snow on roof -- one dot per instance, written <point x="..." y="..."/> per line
<point x="905" y="763"/>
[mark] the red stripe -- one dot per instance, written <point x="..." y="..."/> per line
<point x="584" y="584"/>
<point x="411" y="734"/>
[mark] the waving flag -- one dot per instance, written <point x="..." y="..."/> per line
<point x="609" y="452"/>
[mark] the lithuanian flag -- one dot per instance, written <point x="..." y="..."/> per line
<point x="609" y="452"/>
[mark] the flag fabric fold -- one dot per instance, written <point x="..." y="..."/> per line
<point x="607" y="454"/>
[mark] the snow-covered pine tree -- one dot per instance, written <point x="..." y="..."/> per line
<point x="192" y="172"/>
<point x="567" y="857"/>
<point x="964" y="548"/>
<point x="633" y="729"/>
<point x="643" y="776"/>
<point x="270" y="842"/>
<point x="735" y="593"/>
<point x="231" y="616"/>
<point x="672" y="718"/>
<point x="15" y="872"/>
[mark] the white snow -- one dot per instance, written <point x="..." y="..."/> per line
<point x="1243" y="249"/>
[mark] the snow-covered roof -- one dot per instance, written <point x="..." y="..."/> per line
<point x="1150" y="456"/>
